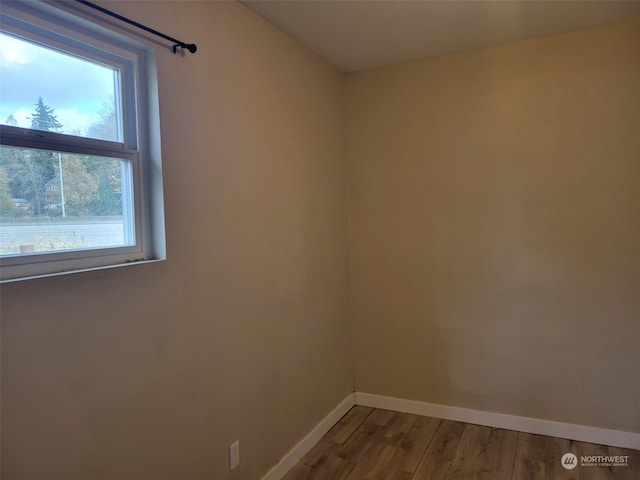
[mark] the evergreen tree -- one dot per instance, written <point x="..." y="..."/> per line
<point x="44" y="119"/>
<point x="11" y="120"/>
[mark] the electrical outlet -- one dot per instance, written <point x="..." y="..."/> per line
<point x="234" y="454"/>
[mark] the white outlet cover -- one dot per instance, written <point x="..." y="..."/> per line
<point x="234" y="454"/>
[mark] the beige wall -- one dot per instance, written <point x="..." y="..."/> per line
<point x="150" y="372"/>
<point x="494" y="255"/>
<point x="494" y="205"/>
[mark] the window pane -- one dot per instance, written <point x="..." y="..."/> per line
<point x="46" y="89"/>
<point x="52" y="201"/>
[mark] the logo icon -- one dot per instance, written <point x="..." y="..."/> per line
<point x="569" y="461"/>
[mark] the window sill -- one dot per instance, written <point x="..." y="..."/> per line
<point x="72" y="272"/>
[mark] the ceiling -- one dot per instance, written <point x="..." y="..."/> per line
<point x="359" y="34"/>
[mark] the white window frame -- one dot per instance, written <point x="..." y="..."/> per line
<point x="53" y="25"/>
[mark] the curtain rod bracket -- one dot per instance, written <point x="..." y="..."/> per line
<point x="189" y="46"/>
<point x="177" y="43"/>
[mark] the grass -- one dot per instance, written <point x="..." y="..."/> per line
<point x="44" y="242"/>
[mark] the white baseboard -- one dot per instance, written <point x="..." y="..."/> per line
<point x="615" y="438"/>
<point x="303" y="446"/>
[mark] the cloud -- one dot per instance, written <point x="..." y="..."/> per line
<point x="13" y="51"/>
<point x="22" y="116"/>
<point x="79" y="121"/>
<point x="74" y="87"/>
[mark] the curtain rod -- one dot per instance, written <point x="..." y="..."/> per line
<point x="189" y="46"/>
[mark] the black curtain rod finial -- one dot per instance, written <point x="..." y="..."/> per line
<point x="189" y="46"/>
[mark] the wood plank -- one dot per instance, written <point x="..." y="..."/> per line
<point x="391" y="474"/>
<point x="529" y="463"/>
<point x="373" y="465"/>
<point x="553" y="451"/>
<point x="415" y="444"/>
<point x="436" y="462"/>
<point x="356" y="447"/>
<point x="500" y="455"/>
<point x="396" y="431"/>
<point x="320" y="462"/>
<point x="348" y="424"/>
<point x="335" y="468"/>
<point x="381" y="417"/>
<point x="632" y="472"/>
<point x="470" y="456"/>
<point x="320" y="453"/>
<point x="392" y="428"/>
<point x="398" y="428"/>
<point x="298" y="472"/>
<point x="594" y="473"/>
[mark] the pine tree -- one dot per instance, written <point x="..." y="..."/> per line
<point x="11" y="120"/>
<point x="44" y="119"/>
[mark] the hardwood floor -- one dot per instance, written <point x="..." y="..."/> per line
<point x="374" y="444"/>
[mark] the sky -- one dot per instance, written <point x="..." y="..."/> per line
<point x="75" y="88"/>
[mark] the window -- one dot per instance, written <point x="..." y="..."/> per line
<point x="80" y="173"/>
